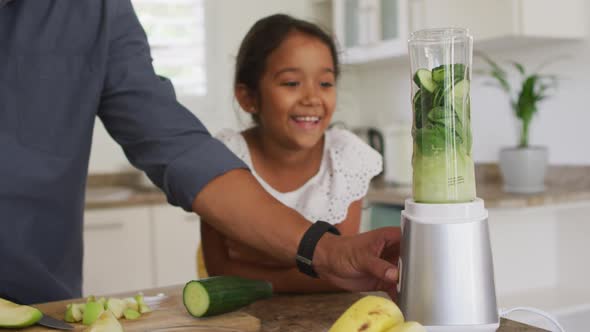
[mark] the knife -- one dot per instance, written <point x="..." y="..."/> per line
<point x="53" y="323"/>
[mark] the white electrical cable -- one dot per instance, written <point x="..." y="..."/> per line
<point x="535" y="311"/>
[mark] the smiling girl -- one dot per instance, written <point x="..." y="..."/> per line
<point x="286" y="74"/>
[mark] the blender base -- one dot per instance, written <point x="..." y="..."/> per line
<point x="464" y="328"/>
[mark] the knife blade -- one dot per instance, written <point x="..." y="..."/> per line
<point x="53" y="323"/>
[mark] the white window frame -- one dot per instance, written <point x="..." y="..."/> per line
<point x="188" y="48"/>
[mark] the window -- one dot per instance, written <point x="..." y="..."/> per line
<point x="176" y="34"/>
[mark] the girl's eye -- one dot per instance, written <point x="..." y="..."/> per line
<point x="290" y="83"/>
<point x="326" y="84"/>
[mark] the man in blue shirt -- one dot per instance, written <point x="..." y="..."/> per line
<point x="62" y="63"/>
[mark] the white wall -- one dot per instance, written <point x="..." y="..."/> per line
<point x="379" y="94"/>
<point x="227" y="22"/>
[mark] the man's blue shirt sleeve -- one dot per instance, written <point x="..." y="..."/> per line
<point x="140" y="111"/>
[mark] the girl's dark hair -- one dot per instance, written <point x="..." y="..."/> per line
<point x="264" y="37"/>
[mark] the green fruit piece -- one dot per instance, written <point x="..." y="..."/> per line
<point x="105" y="323"/>
<point x="131" y="303"/>
<point x="131" y="314"/>
<point x="13" y="315"/>
<point x="143" y="308"/>
<point x="74" y="312"/>
<point x="91" y="298"/>
<point x="116" y="306"/>
<point x="102" y="301"/>
<point x="92" y="312"/>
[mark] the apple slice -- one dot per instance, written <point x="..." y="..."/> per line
<point x="143" y="307"/>
<point x="91" y="313"/>
<point x="131" y="303"/>
<point x="131" y="314"/>
<point x="74" y="312"/>
<point x="13" y="315"/>
<point x="105" y="323"/>
<point x="116" y="306"/>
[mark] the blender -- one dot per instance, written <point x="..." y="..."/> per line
<point x="446" y="269"/>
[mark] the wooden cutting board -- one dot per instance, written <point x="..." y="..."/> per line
<point x="168" y="312"/>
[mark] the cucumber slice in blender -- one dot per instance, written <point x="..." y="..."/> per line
<point x="454" y="72"/>
<point x="423" y="78"/>
<point x="460" y="97"/>
<point x="422" y="105"/>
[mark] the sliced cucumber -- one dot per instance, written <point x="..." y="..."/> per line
<point x="449" y="73"/>
<point x="460" y="98"/>
<point x="13" y="315"/>
<point x="422" y="104"/>
<point x="423" y="78"/>
<point x="442" y="116"/>
<point x="221" y="294"/>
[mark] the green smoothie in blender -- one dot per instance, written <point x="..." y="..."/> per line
<point x="443" y="170"/>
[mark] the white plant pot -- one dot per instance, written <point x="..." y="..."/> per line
<point x="523" y="169"/>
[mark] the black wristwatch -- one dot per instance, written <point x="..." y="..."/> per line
<point x="307" y="245"/>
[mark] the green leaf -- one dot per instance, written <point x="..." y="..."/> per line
<point x="519" y="67"/>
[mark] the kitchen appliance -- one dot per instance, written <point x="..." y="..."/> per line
<point x="397" y="154"/>
<point x="446" y="270"/>
<point x="394" y="143"/>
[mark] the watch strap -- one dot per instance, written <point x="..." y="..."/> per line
<point x="310" y="239"/>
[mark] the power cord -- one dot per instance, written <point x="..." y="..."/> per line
<point x="504" y="312"/>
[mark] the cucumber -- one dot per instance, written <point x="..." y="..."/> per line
<point x="13" y="315"/>
<point x="460" y="94"/>
<point x="454" y="72"/>
<point x="422" y="102"/>
<point x="221" y="294"/>
<point x="423" y="78"/>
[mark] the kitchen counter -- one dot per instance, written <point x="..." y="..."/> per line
<point x="564" y="184"/>
<point x="104" y="191"/>
<point x="293" y="313"/>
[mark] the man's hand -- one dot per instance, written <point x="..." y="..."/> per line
<point x="363" y="262"/>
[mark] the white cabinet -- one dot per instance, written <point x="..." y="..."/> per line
<point x="540" y="256"/>
<point x="177" y="236"/>
<point x="503" y="19"/>
<point x="135" y="248"/>
<point x="117" y="250"/>
<point x="370" y="29"/>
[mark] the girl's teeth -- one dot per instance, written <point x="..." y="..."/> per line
<point x="307" y="118"/>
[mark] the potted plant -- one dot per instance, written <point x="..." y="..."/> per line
<point x="523" y="167"/>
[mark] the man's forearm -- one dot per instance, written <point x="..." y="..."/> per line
<point x="236" y="205"/>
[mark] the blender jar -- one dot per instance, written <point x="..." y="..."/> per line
<point x="443" y="170"/>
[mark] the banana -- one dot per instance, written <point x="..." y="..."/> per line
<point x="370" y="314"/>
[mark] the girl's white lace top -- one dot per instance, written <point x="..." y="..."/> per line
<point x="347" y="166"/>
